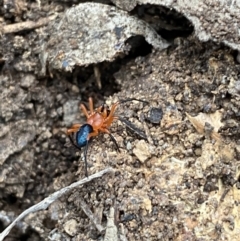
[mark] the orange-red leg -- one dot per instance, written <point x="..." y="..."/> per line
<point x="113" y="109"/>
<point x="90" y="100"/>
<point x="105" y="130"/>
<point x="92" y="134"/>
<point x="99" y="109"/>
<point x="104" y="113"/>
<point x="84" y="110"/>
<point x="102" y="110"/>
<point x="69" y="131"/>
<point x="110" y="121"/>
<point x="75" y="126"/>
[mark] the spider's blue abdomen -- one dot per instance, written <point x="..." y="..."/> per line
<point x="82" y="135"/>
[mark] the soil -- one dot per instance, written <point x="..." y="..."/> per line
<point x="178" y="181"/>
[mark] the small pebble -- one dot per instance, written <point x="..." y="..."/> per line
<point x="70" y="227"/>
<point x="141" y="151"/>
<point x="155" y="115"/>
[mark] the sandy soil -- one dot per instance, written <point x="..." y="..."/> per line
<point x="181" y="182"/>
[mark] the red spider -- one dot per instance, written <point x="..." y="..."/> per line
<point x="98" y="120"/>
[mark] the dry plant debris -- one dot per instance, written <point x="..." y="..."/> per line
<point x="28" y="25"/>
<point x="214" y="120"/>
<point x="44" y="204"/>
<point x="111" y="229"/>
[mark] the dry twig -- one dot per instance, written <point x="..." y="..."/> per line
<point x="91" y="216"/>
<point x="44" y="204"/>
<point x="111" y="229"/>
<point x="17" y="27"/>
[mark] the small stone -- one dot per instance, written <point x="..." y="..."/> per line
<point x="141" y="151"/>
<point x="129" y="145"/>
<point x="70" y="227"/>
<point x="198" y="151"/>
<point x="27" y="80"/>
<point x="155" y="115"/>
<point x="75" y="89"/>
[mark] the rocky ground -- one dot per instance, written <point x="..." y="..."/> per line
<point x="181" y="182"/>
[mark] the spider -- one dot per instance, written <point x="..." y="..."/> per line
<point x="98" y="120"/>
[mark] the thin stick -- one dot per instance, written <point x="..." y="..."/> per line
<point x="133" y="128"/>
<point x="131" y="99"/>
<point x="17" y="27"/>
<point x="111" y="229"/>
<point x="44" y="204"/>
<point x="91" y="216"/>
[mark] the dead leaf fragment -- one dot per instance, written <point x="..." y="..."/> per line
<point x="213" y="119"/>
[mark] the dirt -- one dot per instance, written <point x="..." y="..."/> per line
<point x="181" y="182"/>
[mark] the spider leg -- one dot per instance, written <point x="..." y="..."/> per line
<point x="70" y="134"/>
<point x="73" y="129"/>
<point x="84" y="110"/>
<point x="111" y="136"/>
<point x="85" y="159"/>
<point x="72" y="141"/>
<point x="92" y="134"/>
<point x="85" y="152"/>
<point x="99" y="109"/>
<point x="114" y="141"/>
<point x="104" y="112"/>
<point x="110" y="116"/>
<point x="109" y="121"/>
<point x="90" y="100"/>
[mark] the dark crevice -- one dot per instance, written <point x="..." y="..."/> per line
<point x="167" y="22"/>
